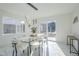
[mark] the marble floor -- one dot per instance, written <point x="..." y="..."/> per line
<point x="46" y="48"/>
<point x="54" y="49"/>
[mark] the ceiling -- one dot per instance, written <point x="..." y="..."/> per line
<point x="44" y="9"/>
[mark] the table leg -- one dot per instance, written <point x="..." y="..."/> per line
<point x="70" y="45"/>
<point x="67" y="40"/>
<point x="78" y="47"/>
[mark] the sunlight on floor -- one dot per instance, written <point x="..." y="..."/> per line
<point x="52" y="38"/>
<point x="54" y="49"/>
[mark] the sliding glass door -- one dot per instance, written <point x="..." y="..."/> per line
<point x="51" y="27"/>
<point x="48" y="27"/>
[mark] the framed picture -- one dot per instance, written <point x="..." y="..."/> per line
<point x="75" y="20"/>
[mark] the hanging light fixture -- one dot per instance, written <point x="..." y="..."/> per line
<point x="31" y="5"/>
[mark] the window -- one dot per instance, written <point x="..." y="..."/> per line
<point x="51" y="27"/>
<point x="34" y="21"/>
<point x="13" y="26"/>
<point x="43" y="28"/>
<point x="9" y="28"/>
<point x="21" y="28"/>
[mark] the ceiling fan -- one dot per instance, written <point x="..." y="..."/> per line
<point x="31" y="5"/>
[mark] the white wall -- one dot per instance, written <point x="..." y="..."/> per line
<point x="63" y="25"/>
<point x="75" y="26"/>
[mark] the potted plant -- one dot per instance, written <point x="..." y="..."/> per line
<point x="34" y="29"/>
